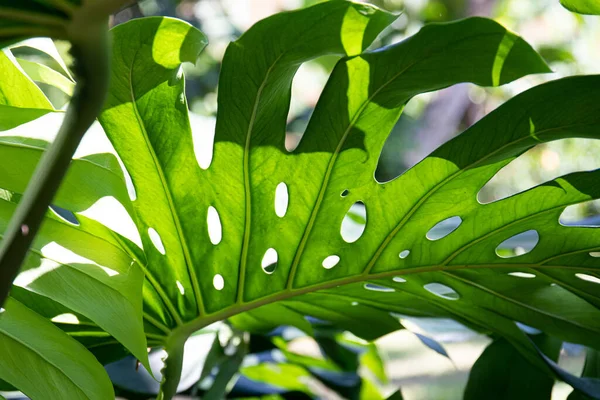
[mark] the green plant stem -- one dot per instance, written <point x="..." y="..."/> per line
<point x="173" y="366"/>
<point x="92" y="69"/>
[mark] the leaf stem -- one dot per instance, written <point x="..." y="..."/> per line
<point x="156" y="323"/>
<point x="199" y="323"/>
<point x="173" y="365"/>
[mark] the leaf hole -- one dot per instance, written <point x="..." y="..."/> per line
<point x="213" y="222"/>
<point x="331" y="261"/>
<point x="441" y="290"/>
<point x="307" y="86"/>
<point x="156" y="241"/>
<point x="218" y="282"/>
<point x="282" y="199"/>
<point x="180" y="287"/>
<point x="581" y="214"/>
<point x="345" y="193"/>
<point x="549" y="160"/>
<point x="518" y="245"/>
<point x="404" y="253"/>
<point x="354" y="222"/>
<point x="398" y="279"/>
<point x="588" y="278"/>
<point x="354" y="303"/>
<point x="378" y="288"/>
<point x="526" y="275"/>
<point x="203" y="137"/>
<point x="269" y="261"/>
<point x="444" y="228"/>
<point x="65" y="215"/>
<point x="595" y="254"/>
<point x="66" y="318"/>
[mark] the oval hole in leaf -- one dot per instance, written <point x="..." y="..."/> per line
<point x="66" y="318"/>
<point x="128" y="181"/>
<point x="518" y="245"/>
<point x="378" y="288"/>
<point x="203" y="136"/>
<point x="345" y="193"/>
<point x="156" y="241"/>
<point x="441" y="290"/>
<point x="354" y="222"/>
<point x="281" y="199"/>
<point x="218" y="282"/>
<point x="404" y="253"/>
<point x="522" y="275"/>
<point x="269" y="261"/>
<point x="595" y="254"/>
<point x="354" y="303"/>
<point x="331" y="261"/>
<point x="444" y="228"/>
<point x="589" y="278"/>
<point x="213" y="221"/>
<point x="398" y="279"/>
<point x="180" y="287"/>
<point x="574" y="215"/>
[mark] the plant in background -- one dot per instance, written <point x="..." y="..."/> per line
<point x="255" y="237"/>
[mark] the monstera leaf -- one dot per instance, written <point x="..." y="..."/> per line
<point x="255" y="236"/>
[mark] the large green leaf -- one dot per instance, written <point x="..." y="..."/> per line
<point x="192" y="282"/>
<point x="158" y="149"/>
<point x="43" y="362"/>
<point x="174" y="194"/>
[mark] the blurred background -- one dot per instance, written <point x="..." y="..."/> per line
<point x="432" y="358"/>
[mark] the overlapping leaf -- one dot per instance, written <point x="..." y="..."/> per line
<point x="44" y="362"/>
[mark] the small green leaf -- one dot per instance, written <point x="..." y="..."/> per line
<point x="501" y="373"/>
<point x="372" y="360"/>
<point x="226" y="372"/>
<point x="290" y="377"/>
<point x="582" y="6"/>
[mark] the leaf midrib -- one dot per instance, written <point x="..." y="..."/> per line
<point x="201" y="322"/>
<point x="247" y="185"/>
<point x="167" y="192"/>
